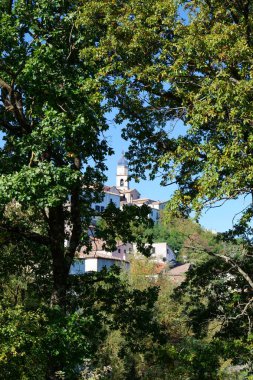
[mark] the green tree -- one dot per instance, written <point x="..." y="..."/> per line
<point x="186" y="238"/>
<point x="52" y="169"/>
<point x="25" y="275"/>
<point x="180" y="75"/>
<point x="53" y="125"/>
<point x="38" y="341"/>
<point x="167" y="352"/>
<point x="132" y="224"/>
<point x="217" y="303"/>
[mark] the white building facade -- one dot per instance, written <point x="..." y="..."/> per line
<point x="122" y="195"/>
<point x="109" y="197"/>
<point x="95" y="264"/>
<point x="119" y="195"/>
<point x="160" y="252"/>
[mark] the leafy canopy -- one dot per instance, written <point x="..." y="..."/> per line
<point x="180" y="75"/>
<point x="50" y="110"/>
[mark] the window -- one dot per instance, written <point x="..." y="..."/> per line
<point x="119" y="250"/>
<point x="102" y="208"/>
<point x="153" y="250"/>
<point x="121" y="182"/>
<point x="97" y="208"/>
<point x="124" y="250"/>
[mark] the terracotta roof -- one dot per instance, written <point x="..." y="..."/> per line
<point x="128" y="191"/>
<point x="139" y="200"/>
<point x="159" y="267"/>
<point x="111" y="190"/>
<point x="177" y="275"/>
<point x="179" y="270"/>
<point x="97" y="247"/>
<point x="93" y="255"/>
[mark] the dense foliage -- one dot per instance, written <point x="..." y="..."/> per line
<point x="187" y="239"/>
<point x="179" y="74"/>
<point x="52" y="157"/>
<point x="53" y="125"/>
<point x="52" y="120"/>
<point x="217" y="299"/>
<point x="37" y="341"/>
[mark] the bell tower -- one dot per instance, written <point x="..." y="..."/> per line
<point x="122" y="174"/>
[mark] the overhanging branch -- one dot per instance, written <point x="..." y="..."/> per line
<point x="15" y="233"/>
<point x="228" y="260"/>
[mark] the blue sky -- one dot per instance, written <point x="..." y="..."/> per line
<point x="219" y="219"/>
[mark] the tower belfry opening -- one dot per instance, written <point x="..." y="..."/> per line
<point x="122" y="173"/>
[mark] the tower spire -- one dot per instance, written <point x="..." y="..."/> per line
<point x="122" y="173"/>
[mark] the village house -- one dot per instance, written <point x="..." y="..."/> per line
<point x="120" y="195"/>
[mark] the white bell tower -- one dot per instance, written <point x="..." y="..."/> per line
<point x="122" y="174"/>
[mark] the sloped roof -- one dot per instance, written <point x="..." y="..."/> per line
<point x="122" y="161"/>
<point x="97" y="248"/>
<point x="123" y="191"/>
<point x="143" y="200"/>
<point x="93" y="255"/>
<point x="180" y="270"/>
<point x="111" y="190"/>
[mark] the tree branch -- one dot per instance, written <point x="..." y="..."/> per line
<point x="235" y="265"/>
<point x="20" y="234"/>
<point x="227" y="259"/>
<point x="15" y="130"/>
<point x="5" y="85"/>
<point x="75" y="218"/>
<point x="13" y="103"/>
<point x="16" y="102"/>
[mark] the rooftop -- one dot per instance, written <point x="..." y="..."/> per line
<point x="123" y="161"/>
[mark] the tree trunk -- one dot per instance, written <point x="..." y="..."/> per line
<point x="57" y="236"/>
<point x="63" y="256"/>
